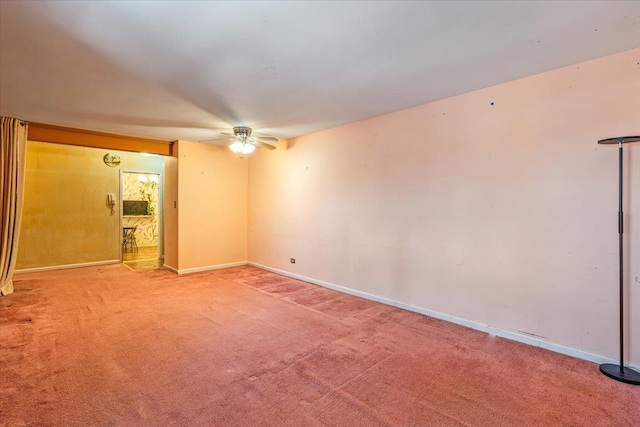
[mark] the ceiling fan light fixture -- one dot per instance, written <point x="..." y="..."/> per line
<point x="248" y="149"/>
<point x="236" y="147"/>
<point x="240" y="147"/>
<point x="243" y="143"/>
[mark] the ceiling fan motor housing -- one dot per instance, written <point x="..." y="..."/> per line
<point x="242" y="131"/>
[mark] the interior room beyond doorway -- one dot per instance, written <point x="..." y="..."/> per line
<point x="141" y="228"/>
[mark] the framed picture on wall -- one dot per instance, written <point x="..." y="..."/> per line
<point x="111" y="159"/>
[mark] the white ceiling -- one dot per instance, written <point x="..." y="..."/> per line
<point x="177" y="70"/>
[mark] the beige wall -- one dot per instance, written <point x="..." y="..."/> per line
<point x="171" y="209"/>
<point x="66" y="219"/>
<point x="502" y="214"/>
<point x="211" y="207"/>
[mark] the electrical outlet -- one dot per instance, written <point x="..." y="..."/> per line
<point x="293" y="260"/>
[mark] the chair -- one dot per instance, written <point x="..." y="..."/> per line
<point x="129" y="239"/>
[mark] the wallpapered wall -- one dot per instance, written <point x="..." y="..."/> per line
<point x="133" y="188"/>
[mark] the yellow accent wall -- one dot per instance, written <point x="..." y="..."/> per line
<point x="66" y="219"/>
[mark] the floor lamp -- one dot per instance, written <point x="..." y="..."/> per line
<point x="620" y="372"/>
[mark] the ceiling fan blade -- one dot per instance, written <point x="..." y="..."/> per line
<point x="267" y="138"/>
<point x="263" y="145"/>
<point x="243" y="134"/>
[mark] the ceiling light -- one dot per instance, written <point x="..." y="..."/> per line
<point x="236" y="147"/>
<point x="242" y="147"/>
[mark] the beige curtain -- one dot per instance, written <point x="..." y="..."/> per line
<point x="12" y="169"/>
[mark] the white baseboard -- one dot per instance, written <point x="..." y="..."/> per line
<point x="174" y="270"/>
<point x="492" y="330"/>
<point x="66" y="266"/>
<point x="207" y="268"/>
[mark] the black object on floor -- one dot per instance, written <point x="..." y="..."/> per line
<point x="619" y="372"/>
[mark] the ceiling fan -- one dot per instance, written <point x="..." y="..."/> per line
<point x="243" y="143"/>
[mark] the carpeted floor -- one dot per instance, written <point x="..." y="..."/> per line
<point x="106" y="346"/>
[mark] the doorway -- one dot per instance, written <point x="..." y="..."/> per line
<point x="141" y="219"/>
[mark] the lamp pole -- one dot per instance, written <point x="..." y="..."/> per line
<point x="619" y="372"/>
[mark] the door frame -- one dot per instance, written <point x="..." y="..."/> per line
<point x="159" y="213"/>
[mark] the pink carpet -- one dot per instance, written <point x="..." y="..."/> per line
<point x="107" y="346"/>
